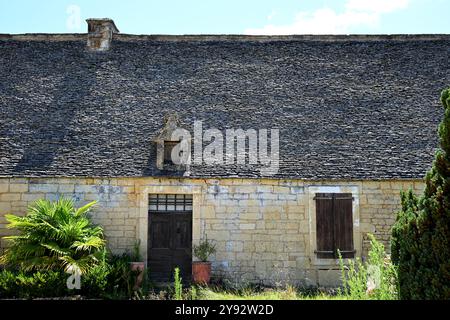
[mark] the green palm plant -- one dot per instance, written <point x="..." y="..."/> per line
<point x="54" y="235"/>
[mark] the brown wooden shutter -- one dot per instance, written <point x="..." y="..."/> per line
<point x="324" y="225"/>
<point x="334" y="225"/>
<point x="343" y="206"/>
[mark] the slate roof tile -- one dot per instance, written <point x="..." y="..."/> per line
<point x="345" y="109"/>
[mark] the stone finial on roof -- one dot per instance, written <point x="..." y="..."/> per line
<point x="100" y="32"/>
<point x="171" y="123"/>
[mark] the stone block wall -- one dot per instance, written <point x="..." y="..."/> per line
<point x="116" y="211"/>
<point x="262" y="227"/>
<point x="379" y="201"/>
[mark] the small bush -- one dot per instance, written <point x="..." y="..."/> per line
<point x="110" y="279"/>
<point x="95" y="283"/>
<point x="19" y="284"/>
<point x="204" y="250"/>
<point x="374" y="279"/>
<point x="120" y="277"/>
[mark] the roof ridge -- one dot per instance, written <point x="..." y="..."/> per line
<point x="228" y="37"/>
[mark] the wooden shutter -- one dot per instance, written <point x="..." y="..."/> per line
<point x="343" y="217"/>
<point x="334" y="225"/>
<point x="324" y="225"/>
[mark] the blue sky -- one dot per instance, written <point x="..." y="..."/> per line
<point x="229" y="16"/>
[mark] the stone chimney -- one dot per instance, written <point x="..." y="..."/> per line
<point x="100" y="33"/>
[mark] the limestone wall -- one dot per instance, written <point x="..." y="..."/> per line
<point x="264" y="229"/>
<point x="116" y="211"/>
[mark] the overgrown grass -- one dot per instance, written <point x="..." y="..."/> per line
<point x="375" y="278"/>
<point x="289" y="293"/>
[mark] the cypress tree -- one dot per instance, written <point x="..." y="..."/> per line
<point x="421" y="235"/>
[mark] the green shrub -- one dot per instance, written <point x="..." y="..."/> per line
<point x="374" y="279"/>
<point x="354" y="278"/>
<point x="94" y="283"/>
<point x="120" y="277"/>
<point x="421" y="234"/>
<point x="382" y="271"/>
<point x="7" y="284"/>
<point x="204" y="250"/>
<point x="54" y="236"/>
<point x="112" y="278"/>
<point x="19" y="284"/>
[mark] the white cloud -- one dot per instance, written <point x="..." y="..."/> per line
<point x="365" y="13"/>
<point x="376" y="6"/>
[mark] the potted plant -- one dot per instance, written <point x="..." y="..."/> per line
<point x="137" y="266"/>
<point x="201" y="270"/>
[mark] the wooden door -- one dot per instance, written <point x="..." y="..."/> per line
<point x="159" y="250"/>
<point x="182" y="243"/>
<point x="170" y="238"/>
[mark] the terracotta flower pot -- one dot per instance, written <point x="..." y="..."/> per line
<point x="138" y="267"/>
<point x="201" y="272"/>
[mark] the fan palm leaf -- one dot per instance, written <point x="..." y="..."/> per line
<point x="82" y="264"/>
<point x="54" y="235"/>
<point x="85" y="209"/>
<point x="89" y="244"/>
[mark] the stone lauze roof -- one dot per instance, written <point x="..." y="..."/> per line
<point x="354" y="108"/>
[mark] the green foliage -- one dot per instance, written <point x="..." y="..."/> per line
<point x="204" y="250"/>
<point x="375" y="278"/>
<point x="193" y="295"/>
<point x="54" y="236"/>
<point x="178" y="286"/>
<point x="406" y="246"/>
<point x="120" y="276"/>
<point x="136" y="256"/>
<point x="382" y="272"/>
<point x="354" y="278"/>
<point x="14" y="284"/>
<point x="95" y="282"/>
<point x="110" y="279"/>
<point x="421" y="234"/>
